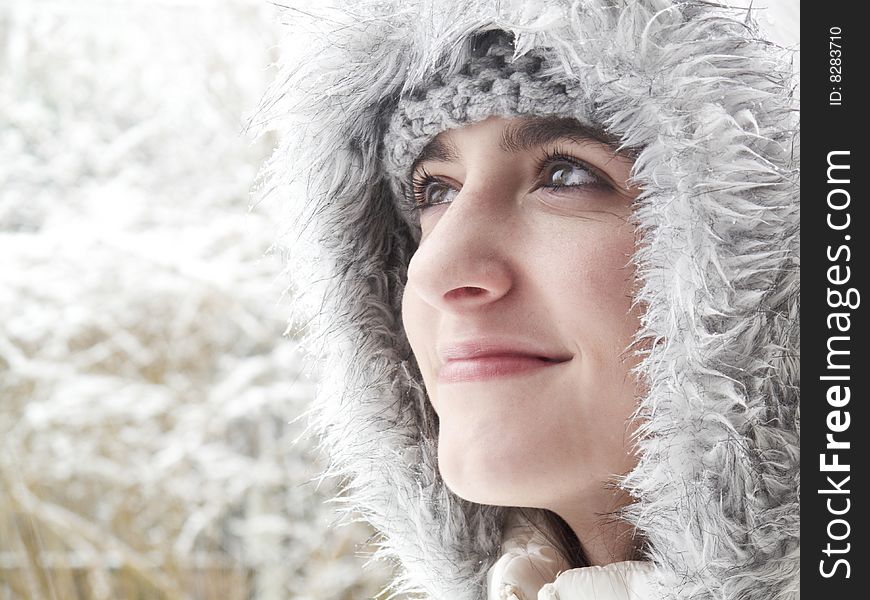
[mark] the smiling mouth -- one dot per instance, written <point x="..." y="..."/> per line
<point x="494" y="366"/>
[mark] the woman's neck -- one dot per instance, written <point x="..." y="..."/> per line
<point x="604" y="536"/>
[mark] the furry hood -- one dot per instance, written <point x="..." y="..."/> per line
<point x="711" y="106"/>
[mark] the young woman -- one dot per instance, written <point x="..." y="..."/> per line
<point x="555" y="257"/>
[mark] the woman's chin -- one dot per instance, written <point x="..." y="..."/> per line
<point x="488" y="474"/>
<point x="475" y="491"/>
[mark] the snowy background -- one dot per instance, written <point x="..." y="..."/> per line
<point x="147" y="394"/>
<point x="146" y="389"/>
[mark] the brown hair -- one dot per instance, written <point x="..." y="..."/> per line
<point x="560" y="535"/>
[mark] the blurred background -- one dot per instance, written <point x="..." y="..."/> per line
<point x="146" y="389"/>
<point x="150" y="397"/>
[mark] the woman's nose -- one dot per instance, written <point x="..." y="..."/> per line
<point x="463" y="263"/>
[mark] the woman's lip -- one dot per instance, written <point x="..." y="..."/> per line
<point x="491" y="366"/>
<point x="484" y="346"/>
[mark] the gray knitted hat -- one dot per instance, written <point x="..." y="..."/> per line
<point x="493" y="82"/>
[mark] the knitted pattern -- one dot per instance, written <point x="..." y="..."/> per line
<point x="493" y="82"/>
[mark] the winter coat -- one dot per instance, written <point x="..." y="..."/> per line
<point x="710" y="106"/>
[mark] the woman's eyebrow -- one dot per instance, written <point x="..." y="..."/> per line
<point x="529" y="133"/>
<point x="439" y="149"/>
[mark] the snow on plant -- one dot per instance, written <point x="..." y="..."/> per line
<point x="146" y="391"/>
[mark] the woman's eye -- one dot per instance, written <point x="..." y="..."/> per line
<point x="568" y="174"/>
<point x="555" y="171"/>
<point x="431" y="192"/>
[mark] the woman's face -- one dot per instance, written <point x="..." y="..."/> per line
<point x="518" y="309"/>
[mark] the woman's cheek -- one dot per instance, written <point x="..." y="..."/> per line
<point x="418" y="322"/>
<point x="594" y="272"/>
